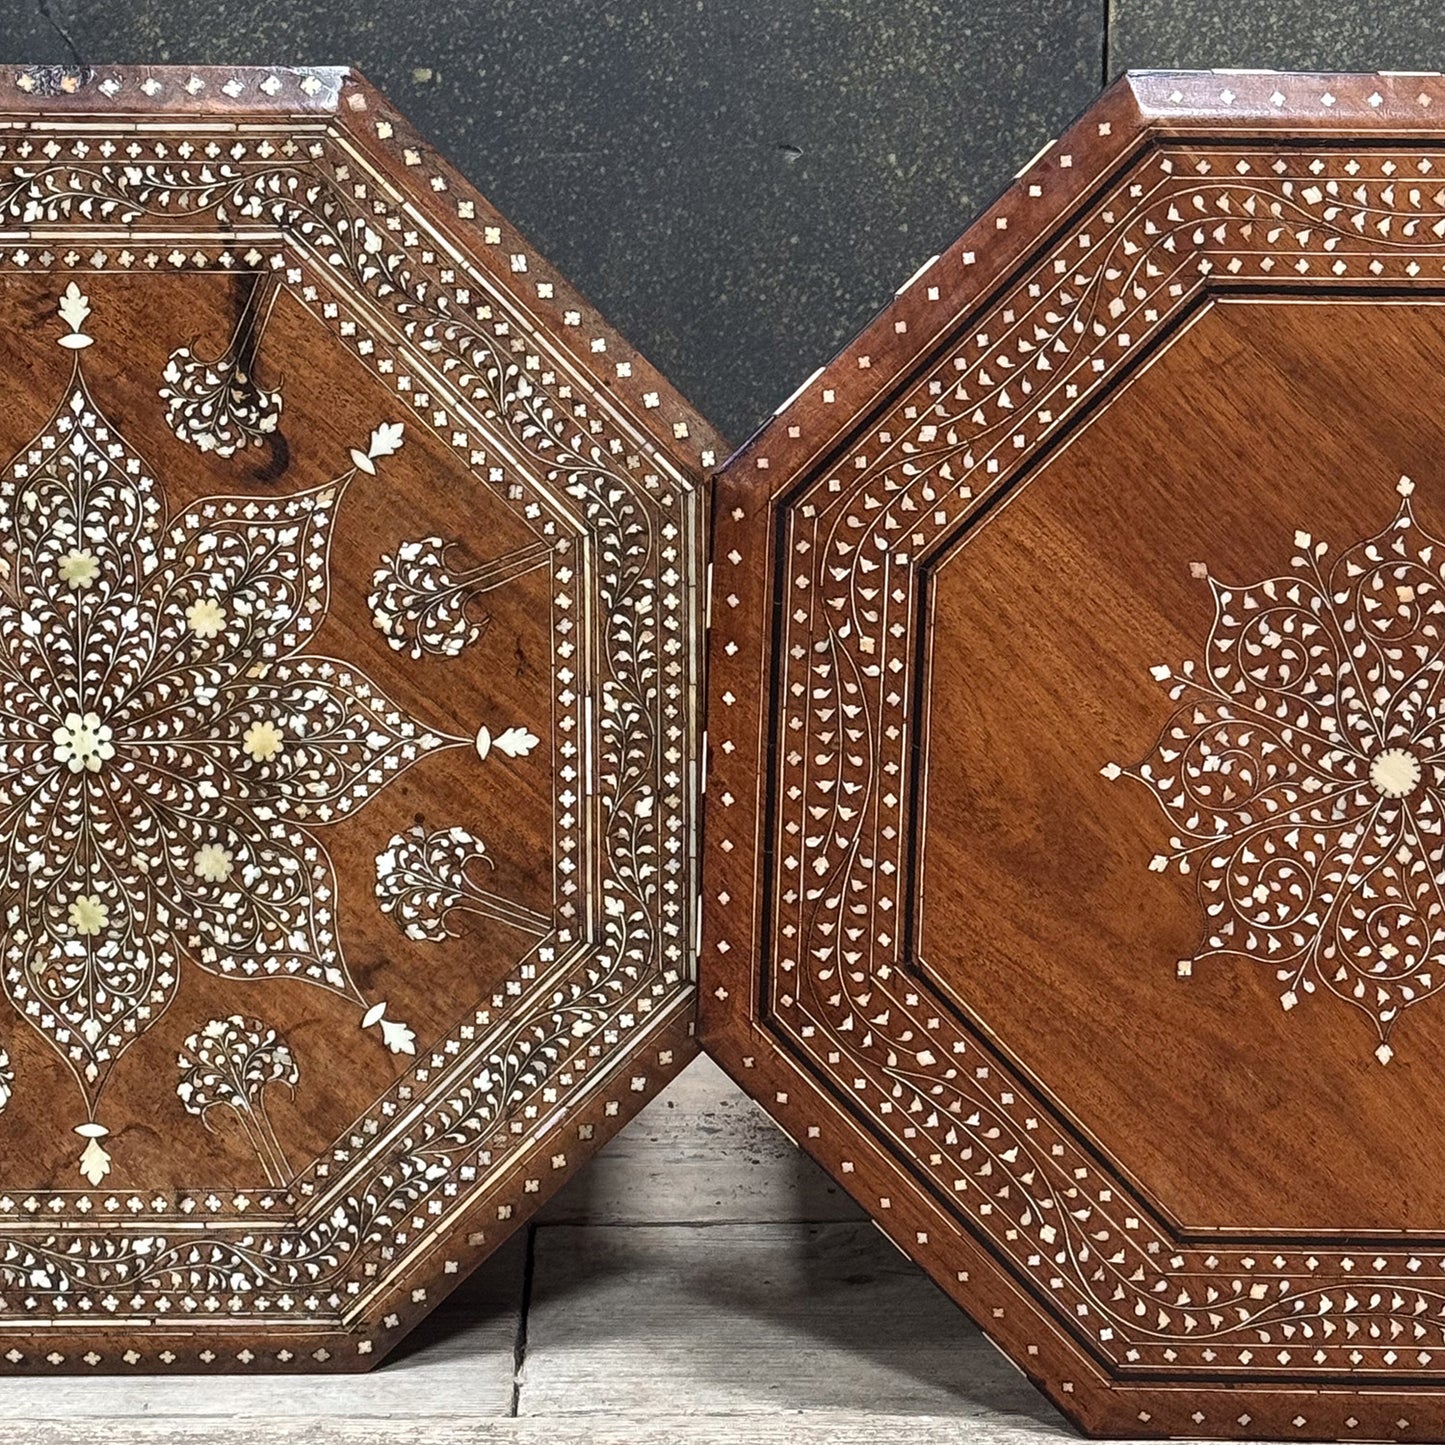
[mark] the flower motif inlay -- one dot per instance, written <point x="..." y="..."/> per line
<point x="83" y="742"/>
<point x="1303" y="773"/>
<point x="230" y="1065"/>
<point x="426" y="879"/>
<point x="167" y="744"/>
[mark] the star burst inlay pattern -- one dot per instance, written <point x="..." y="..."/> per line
<point x="1303" y="773"/>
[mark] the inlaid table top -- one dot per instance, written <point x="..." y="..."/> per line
<point x="1075" y="847"/>
<point x="350" y="628"/>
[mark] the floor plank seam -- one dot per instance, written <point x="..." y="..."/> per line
<point x="519" y="1350"/>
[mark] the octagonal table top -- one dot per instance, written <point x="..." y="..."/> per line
<point x="350" y="630"/>
<point x="1075" y="848"/>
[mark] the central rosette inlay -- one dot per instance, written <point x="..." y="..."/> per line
<point x="169" y="745"/>
<point x="83" y="742"/>
<point x="1303" y="773"/>
<point x="1395" y="773"/>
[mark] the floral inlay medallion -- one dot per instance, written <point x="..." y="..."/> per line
<point x="1303" y="773"/>
<point x="425" y="881"/>
<point x="170" y="749"/>
<point x="229" y="1065"/>
<point x="423" y="604"/>
<point x="218" y="405"/>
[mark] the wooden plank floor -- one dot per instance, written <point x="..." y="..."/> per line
<point x="701" y="1282"/>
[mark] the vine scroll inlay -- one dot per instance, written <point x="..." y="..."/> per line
<point x="1303" y="771"/>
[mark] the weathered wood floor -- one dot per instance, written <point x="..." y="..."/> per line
<point x="701" y="1282"/>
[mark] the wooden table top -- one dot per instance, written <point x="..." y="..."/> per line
<point x="1075" y="860"/>
<point x="350" y="628"/>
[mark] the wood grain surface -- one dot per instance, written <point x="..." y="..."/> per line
<point x="1075" y="864"/>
